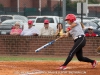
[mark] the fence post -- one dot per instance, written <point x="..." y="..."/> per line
<point x="64" y="14"/>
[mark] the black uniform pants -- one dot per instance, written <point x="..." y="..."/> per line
<point x="77" y="49"/>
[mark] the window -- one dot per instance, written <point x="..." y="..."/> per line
<point x="41" y="20"/>
<point x="5" y="18"/>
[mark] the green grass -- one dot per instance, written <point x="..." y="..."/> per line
<point x="20" y="58"/>
<point x="34" y="58"/>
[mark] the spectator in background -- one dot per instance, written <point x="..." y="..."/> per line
<point x="16" y="30"/>
<point x="31" y="30"/>
<point x="59" y="31"/>
<point x="46" y="30"/>
<point x="90" y="32"/>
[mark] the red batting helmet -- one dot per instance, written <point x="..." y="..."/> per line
<point x="70" y="17"/>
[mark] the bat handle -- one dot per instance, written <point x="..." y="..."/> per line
<point x="57" y="38"/>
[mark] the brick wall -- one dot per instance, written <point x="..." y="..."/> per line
<point x="6" y="3"/>
<point x="26" y="45"/>
<point x="28" y="3"/>
<point x="95" y="8"/>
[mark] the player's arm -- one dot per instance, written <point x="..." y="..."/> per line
<point x="72" y="25"/>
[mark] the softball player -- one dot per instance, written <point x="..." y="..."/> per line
<point x="77" y="33"/>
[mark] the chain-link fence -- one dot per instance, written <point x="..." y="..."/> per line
<point x="39" y="7"/>
<point x="32" y="7"/>
<point x="94" y="11"/>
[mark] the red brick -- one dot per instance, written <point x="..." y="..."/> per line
<point x="27" y="45"/>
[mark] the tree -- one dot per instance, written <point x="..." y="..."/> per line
<point x="57" y="7"/>
<point x="1" y="6"/>
<point x="93" y="1"/>
<point x="71" y="5"/>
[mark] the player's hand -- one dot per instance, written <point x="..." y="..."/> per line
<point x="64" y="35"/>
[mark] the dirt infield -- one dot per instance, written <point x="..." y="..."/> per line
<point x="47" y="68"/>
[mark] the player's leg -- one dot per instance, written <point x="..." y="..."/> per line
<point x="77" y="46"/>
<point x="69" y="58"/>
<point x="79" y="55"/>
<point x="71" y="53"/>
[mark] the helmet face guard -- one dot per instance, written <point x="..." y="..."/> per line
<point x="70" y="17"/>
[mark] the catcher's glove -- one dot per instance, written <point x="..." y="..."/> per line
<point x="98" y="50"/>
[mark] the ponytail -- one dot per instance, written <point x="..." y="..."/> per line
<point x="82" y="25"/>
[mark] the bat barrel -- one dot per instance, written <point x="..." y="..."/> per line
<point x="44" y="46"/>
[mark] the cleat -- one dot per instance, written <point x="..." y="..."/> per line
<point x="94" y="64"/>
<point x="62" y="68"/>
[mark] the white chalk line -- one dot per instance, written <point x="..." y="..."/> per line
<point x="52" y="72"/>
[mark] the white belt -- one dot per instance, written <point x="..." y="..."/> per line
<point x="78" y="37"/>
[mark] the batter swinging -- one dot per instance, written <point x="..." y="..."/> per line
<point x="75" y="29"/>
